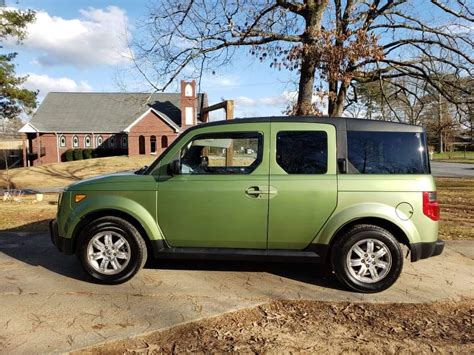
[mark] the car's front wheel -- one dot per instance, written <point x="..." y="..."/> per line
<point x="111" y="250"/>
<point x="367" y="258"/>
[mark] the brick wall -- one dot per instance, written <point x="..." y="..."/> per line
<point x="148" y="126"/>
<point x="50" y="144"/>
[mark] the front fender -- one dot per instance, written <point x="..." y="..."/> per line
<point x="365" y="210"/>
<point x="112" y="202"/>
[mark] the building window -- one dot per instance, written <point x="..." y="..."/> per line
<point x="87" y="141"/>
<point x="125" y="142"/>
<point x="141" y="145"/>
<point x="112" y="142"/>
<point x="153" y="144"/>
<point x="100" y="140"/>
<point x="75" y="142"/>
<point x="164" y="142"/>
<point x="62" y="141"/>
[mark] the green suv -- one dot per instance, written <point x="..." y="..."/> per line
<point x="337" y="191"/>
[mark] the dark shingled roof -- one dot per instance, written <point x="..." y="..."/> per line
<point x="102" y="112"/>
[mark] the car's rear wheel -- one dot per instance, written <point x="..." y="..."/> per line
<point x="367" y="258"/>
<point x="111" y="250"/>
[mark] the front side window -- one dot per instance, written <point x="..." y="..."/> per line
<point x="75" y="141"/>
<point x="387" y="153"/>
<point x="222" y="153"/>
<point x="302" y="152"/>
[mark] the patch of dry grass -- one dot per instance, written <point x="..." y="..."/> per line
<point x="456" y="198"/>
<point x="28" y="215"/>
<point x="63" y="174"/>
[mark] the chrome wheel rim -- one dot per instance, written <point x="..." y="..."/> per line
<point x="369" y="260"/>
<point x="108" y="253"/>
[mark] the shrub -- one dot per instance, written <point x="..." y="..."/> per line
<point x="78" y="154"/>
<point x="69" y="155"/>
<point x="87" y="153"/>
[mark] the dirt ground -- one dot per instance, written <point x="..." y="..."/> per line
<point x="311" y="326"/>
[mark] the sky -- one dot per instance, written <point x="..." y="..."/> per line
<point x="81" y="45"/>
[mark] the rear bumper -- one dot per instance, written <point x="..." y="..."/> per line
<point x="65" y="245"/>
<point x="426" y="250"/>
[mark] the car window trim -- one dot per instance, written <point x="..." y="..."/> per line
<point x="258" y="161"/>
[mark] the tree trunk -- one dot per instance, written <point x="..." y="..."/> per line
<point x="440" y="122"/>
<point x="305" y="87"/>
<point x="338" y="107"/>
<point x="313" y="16"/>
<point x="332" y="86"/>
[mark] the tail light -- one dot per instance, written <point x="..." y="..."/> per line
<point x="431" y="205"/>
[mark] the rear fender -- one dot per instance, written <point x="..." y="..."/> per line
<point x="366" y="210"/>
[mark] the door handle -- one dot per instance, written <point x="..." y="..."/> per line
<point x="253" y="191"/>
<point x="256" y="191"/>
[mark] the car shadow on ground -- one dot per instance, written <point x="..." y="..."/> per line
<point x="314" y="274"/>
<point x="36" y="249"/>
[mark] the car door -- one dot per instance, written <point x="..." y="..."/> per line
<point x="219" y="199"/>
<point x="303" y="182"/>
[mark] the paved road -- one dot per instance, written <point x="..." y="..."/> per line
<point x="452" y="169"/>
<point x="46" y="304"/>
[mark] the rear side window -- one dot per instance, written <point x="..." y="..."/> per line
<point x="387" y="153"/>
<point x="302" y="152"/>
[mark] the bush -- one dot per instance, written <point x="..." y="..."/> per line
<point x="87" y="153"/>
<point x="69" y="155"/>
<point x="78" y="154"/>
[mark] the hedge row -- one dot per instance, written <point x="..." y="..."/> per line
<point x="80" y="154"/>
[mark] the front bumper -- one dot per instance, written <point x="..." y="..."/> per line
<point x="65" y="245"/>
<point x="426" y="250"/>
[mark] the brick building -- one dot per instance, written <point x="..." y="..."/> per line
<point x="123" y="123"/>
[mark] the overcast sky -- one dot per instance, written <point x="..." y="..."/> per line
<point x="81" y="45"/>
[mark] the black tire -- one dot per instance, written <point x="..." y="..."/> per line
<point x="359" y="233"/>
<point x="121" y="228"/>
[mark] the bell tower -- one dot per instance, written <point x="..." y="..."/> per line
<point x="188" y="104"/>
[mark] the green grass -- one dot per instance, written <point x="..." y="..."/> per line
<point x="455" y="157"/>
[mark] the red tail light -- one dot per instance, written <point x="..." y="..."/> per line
<point x="431" y="205"/>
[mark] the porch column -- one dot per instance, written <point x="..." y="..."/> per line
<point x="38" y="147"/>
<point x="23" y="137"/>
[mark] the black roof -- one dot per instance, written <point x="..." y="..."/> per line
<point x="341" y="123"/>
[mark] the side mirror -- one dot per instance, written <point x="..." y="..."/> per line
<point x="174" y="168"/>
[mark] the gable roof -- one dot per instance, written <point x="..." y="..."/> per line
<point x="158" y="113"/>
<point x="104" y="112"/>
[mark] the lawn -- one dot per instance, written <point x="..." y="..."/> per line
<point x="63" y="174"/>
<point x="455" y="157"/>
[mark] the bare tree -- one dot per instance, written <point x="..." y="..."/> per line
<point x="331" y="44"/>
